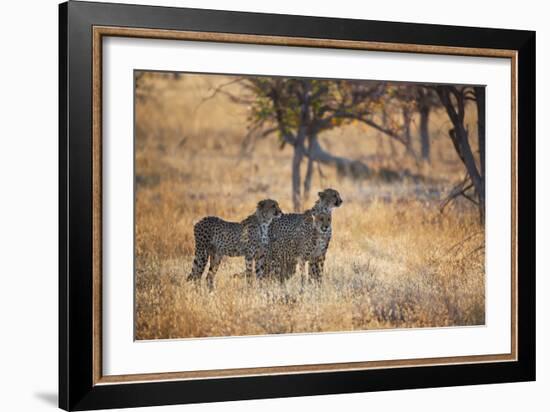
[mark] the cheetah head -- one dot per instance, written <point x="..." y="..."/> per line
<point x="268" y="210"/>
<point x="330" y="198"/>
<point x="321" y="221"/>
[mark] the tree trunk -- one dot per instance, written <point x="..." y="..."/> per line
<point x="480" y="103"/>
<point x="296" y="174"/>
<point x="424" y="133"/>
<point x="299" y="147"/>
<point x="309" y="172"/>
<point x="407" y="125"/>
<point x="296" y="162"/>
<point x="459" y="137"/>
<point x="469" y="160"/>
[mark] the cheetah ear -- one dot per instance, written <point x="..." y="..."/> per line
<point x="321" y="194"/>
<point x="261" y="204"/>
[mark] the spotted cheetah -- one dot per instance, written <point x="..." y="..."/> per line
<point x="281" y="259"/>
<point x="310" y="242"/>
<point x="216" y="238"/>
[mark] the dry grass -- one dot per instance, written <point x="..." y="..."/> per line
<point x="394" y="261"/>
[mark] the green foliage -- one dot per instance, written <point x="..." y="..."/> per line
<point x="291" y="107"/>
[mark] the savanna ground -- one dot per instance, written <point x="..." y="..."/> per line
<point x="395" y="261"/>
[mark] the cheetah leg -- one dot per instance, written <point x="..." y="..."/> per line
<point x="270" y="266"/>
<point x="321" y="263"/>
<point x="315" y="270"/>
<point x="260" y="264"/>
<point x="199" y="263"/>
<point x="277" y="266"/>
<point x="286" y="266"/>
<point x="323" y="256"/>
<point x="214" y="264"/>
<point x="290" y="267"/>
<point x="280" y="267"/>
<point x="302" y="270"/>
<point x="249" y="263"/>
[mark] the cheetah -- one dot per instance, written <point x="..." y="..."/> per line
<point x="310" y="242"/>
<point x="216" y="238"/>
<point x="281" y="259"/>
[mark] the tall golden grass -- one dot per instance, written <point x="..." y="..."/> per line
<point x="394" y="261"/>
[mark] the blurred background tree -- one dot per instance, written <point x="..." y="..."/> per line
<point x="297" y="111"/>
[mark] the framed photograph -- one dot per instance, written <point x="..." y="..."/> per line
<point x="256" y="206"/>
